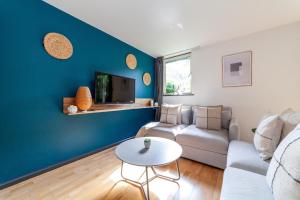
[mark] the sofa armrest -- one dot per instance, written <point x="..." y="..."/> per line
<point x="234" y="130"/>
<point x="143" y="130"/>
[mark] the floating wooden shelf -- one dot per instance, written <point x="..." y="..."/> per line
<point x="140" y="103"/>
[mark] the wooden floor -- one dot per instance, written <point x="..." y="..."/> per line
<point x="98" y="177"/>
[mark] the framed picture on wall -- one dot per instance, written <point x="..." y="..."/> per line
<point x="237" y="69"/>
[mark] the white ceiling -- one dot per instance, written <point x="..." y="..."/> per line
<point x="162" y="27"/>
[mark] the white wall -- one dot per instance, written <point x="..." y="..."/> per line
<point x="276" y="76"/>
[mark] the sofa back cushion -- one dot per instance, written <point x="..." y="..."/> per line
<point x="186" y="114"/>
<point x="283" y="176"/>
<point x="267" y="136"/>
<point x="208" y="117"/>
<point x="226" y="117"/>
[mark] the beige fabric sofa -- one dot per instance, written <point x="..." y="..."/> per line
<point x="202" y="145"/>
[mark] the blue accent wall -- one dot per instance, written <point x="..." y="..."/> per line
<point x="34" y="133"/>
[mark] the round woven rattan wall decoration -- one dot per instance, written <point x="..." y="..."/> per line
<point x="58" y="46"/>
<point x="147" y="78"/>
<point x="131" y="61"/>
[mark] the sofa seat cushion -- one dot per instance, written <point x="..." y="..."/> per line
<point x="243" y="155"/>
<point x="240" y="184"/>
<point x="208" y="140"/>
<point x="163" y="130"/>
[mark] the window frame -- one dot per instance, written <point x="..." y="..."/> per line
<point x="173" y="59"/>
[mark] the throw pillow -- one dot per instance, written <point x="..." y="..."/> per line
<point x="201" y="117"/>
<point x="283" y="176"/>
<point x="169" y="114"/>
<point x="179" y="106"/>
<point x="267" y="136"/>
<point x="290" y="119"/>
<point x="208" y="117"/>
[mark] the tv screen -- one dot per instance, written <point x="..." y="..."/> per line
<point x="114" y="89"/>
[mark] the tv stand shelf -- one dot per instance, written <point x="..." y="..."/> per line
<point x="140" y="103"/>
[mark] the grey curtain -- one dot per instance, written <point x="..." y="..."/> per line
<point x="158" y="85"/>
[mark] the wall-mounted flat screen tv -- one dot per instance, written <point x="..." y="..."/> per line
<point x="113" y="89"/>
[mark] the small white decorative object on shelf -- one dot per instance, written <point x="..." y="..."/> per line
<point x="156" y="104"/>
<point x="72" y="109"/>
<point x="151" y="102"/>
<point x="147" y="143"/>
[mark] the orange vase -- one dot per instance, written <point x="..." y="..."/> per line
<point x="83" y="98"/>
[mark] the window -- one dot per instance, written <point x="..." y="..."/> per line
<point x="177" y="75"/>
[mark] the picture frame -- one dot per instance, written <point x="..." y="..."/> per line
<point x="237" y="69"/>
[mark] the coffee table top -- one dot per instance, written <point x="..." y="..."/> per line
<point x="161" y="152"/>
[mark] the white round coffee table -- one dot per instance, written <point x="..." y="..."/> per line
<point x="161" y="152"/>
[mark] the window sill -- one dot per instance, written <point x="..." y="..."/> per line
<point x="176" y="95"/>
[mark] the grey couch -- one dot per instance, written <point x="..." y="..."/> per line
<point x="202" y="145"/>
<point x="244" y="177"/>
